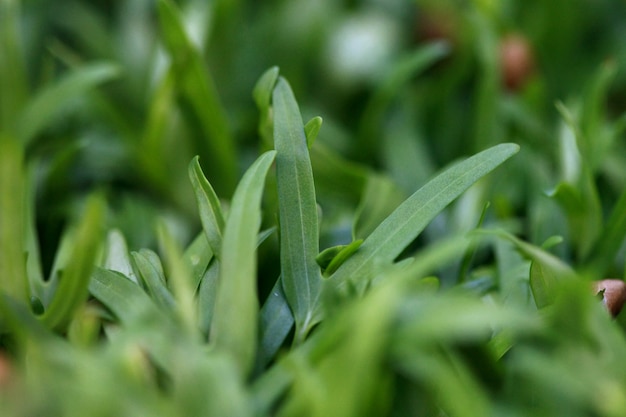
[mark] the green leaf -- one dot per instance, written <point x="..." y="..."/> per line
<point x="390" y="238"/>
<point x="71" y="291"/>
<point x="262" y="94"/>
<point x="116" y="255"/>
<point x="13" y="74"/>
<point x="545" y="271"/>
<point x="235" y="320"/>
<point x="299" y="234"/>
<point x="330" y="259"/>
<point x="197" y="256"/>
<point x="276" y="321"/>
<point x="13" y="226"/>
<point x="209" y="206"/>
<point x="180" y="281"/>
<point x="153" y="278"/>
<point x="217" y="148"/>
<point x="46" y="105"/>
<point x="311" y="129"/>
<point x="207" y="293"/>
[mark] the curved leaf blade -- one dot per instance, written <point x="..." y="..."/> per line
<point x="209" y="206"/>
<point x="388" y="240"/>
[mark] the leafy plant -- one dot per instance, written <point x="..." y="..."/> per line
<point x="170" y="245"/>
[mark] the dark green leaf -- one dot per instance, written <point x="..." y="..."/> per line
<point x="71" y="290"/>
<point x="299" y="235"/>
<point x="197" y="86"/>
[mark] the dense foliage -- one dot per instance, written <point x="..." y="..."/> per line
<point x="312" y="208"/>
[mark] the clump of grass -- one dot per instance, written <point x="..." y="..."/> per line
<point x="154" y="260"/>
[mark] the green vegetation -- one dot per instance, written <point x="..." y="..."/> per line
<point x="312" y="208"/>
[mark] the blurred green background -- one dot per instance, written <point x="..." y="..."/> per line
<point x="389" y="121"/>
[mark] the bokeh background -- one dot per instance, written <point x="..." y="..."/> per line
<point x="404" y="88"/>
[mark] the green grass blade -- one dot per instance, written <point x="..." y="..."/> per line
<point x="13" y="227"/>
<point x="71" y="290"/>
<point x="126" y="300"/>
<point x="207" y="293"/>
<point x="209" y="206"/>
<point x="198" y="256"/>
<point x="45" y="106"/>
<point x="299" y="235"/>
<point x="388" y="240"/>
<point x="117" y="257"/>
<point x="179" y="279"/>
<point x="235" y="321"/>
<point x="311" y="130"/>
<point x="275" y="324"/>
<point x="13" y="75"/>
<point x="198" y="89"/>
<point x="153" y="279"/>
<point x="262" y="95"/>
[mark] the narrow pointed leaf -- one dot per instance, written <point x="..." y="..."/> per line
<point x="235" y="321"/>
<point x="209" y="206"/>
<point x="311" y="129"/>
<point x="152" y="277"/>
<point x="299" y="235"/>
<point x="390" y="238"/>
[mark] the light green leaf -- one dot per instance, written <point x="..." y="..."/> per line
<point x="235" y="320"/>
<point x="116" y="256"/>
<point x="311" y="129"/>
<point x="152" y="276"/>
<point x="197" y="256"/>
<point x="13" y="226"/>
<point x="209" y="206"/>
<point x="179" y="279"/>
<point x="299" y="234"/>
<point x="262" y="92"/>
<point x="330" y="259"/>
<point x="390" y="238"/>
